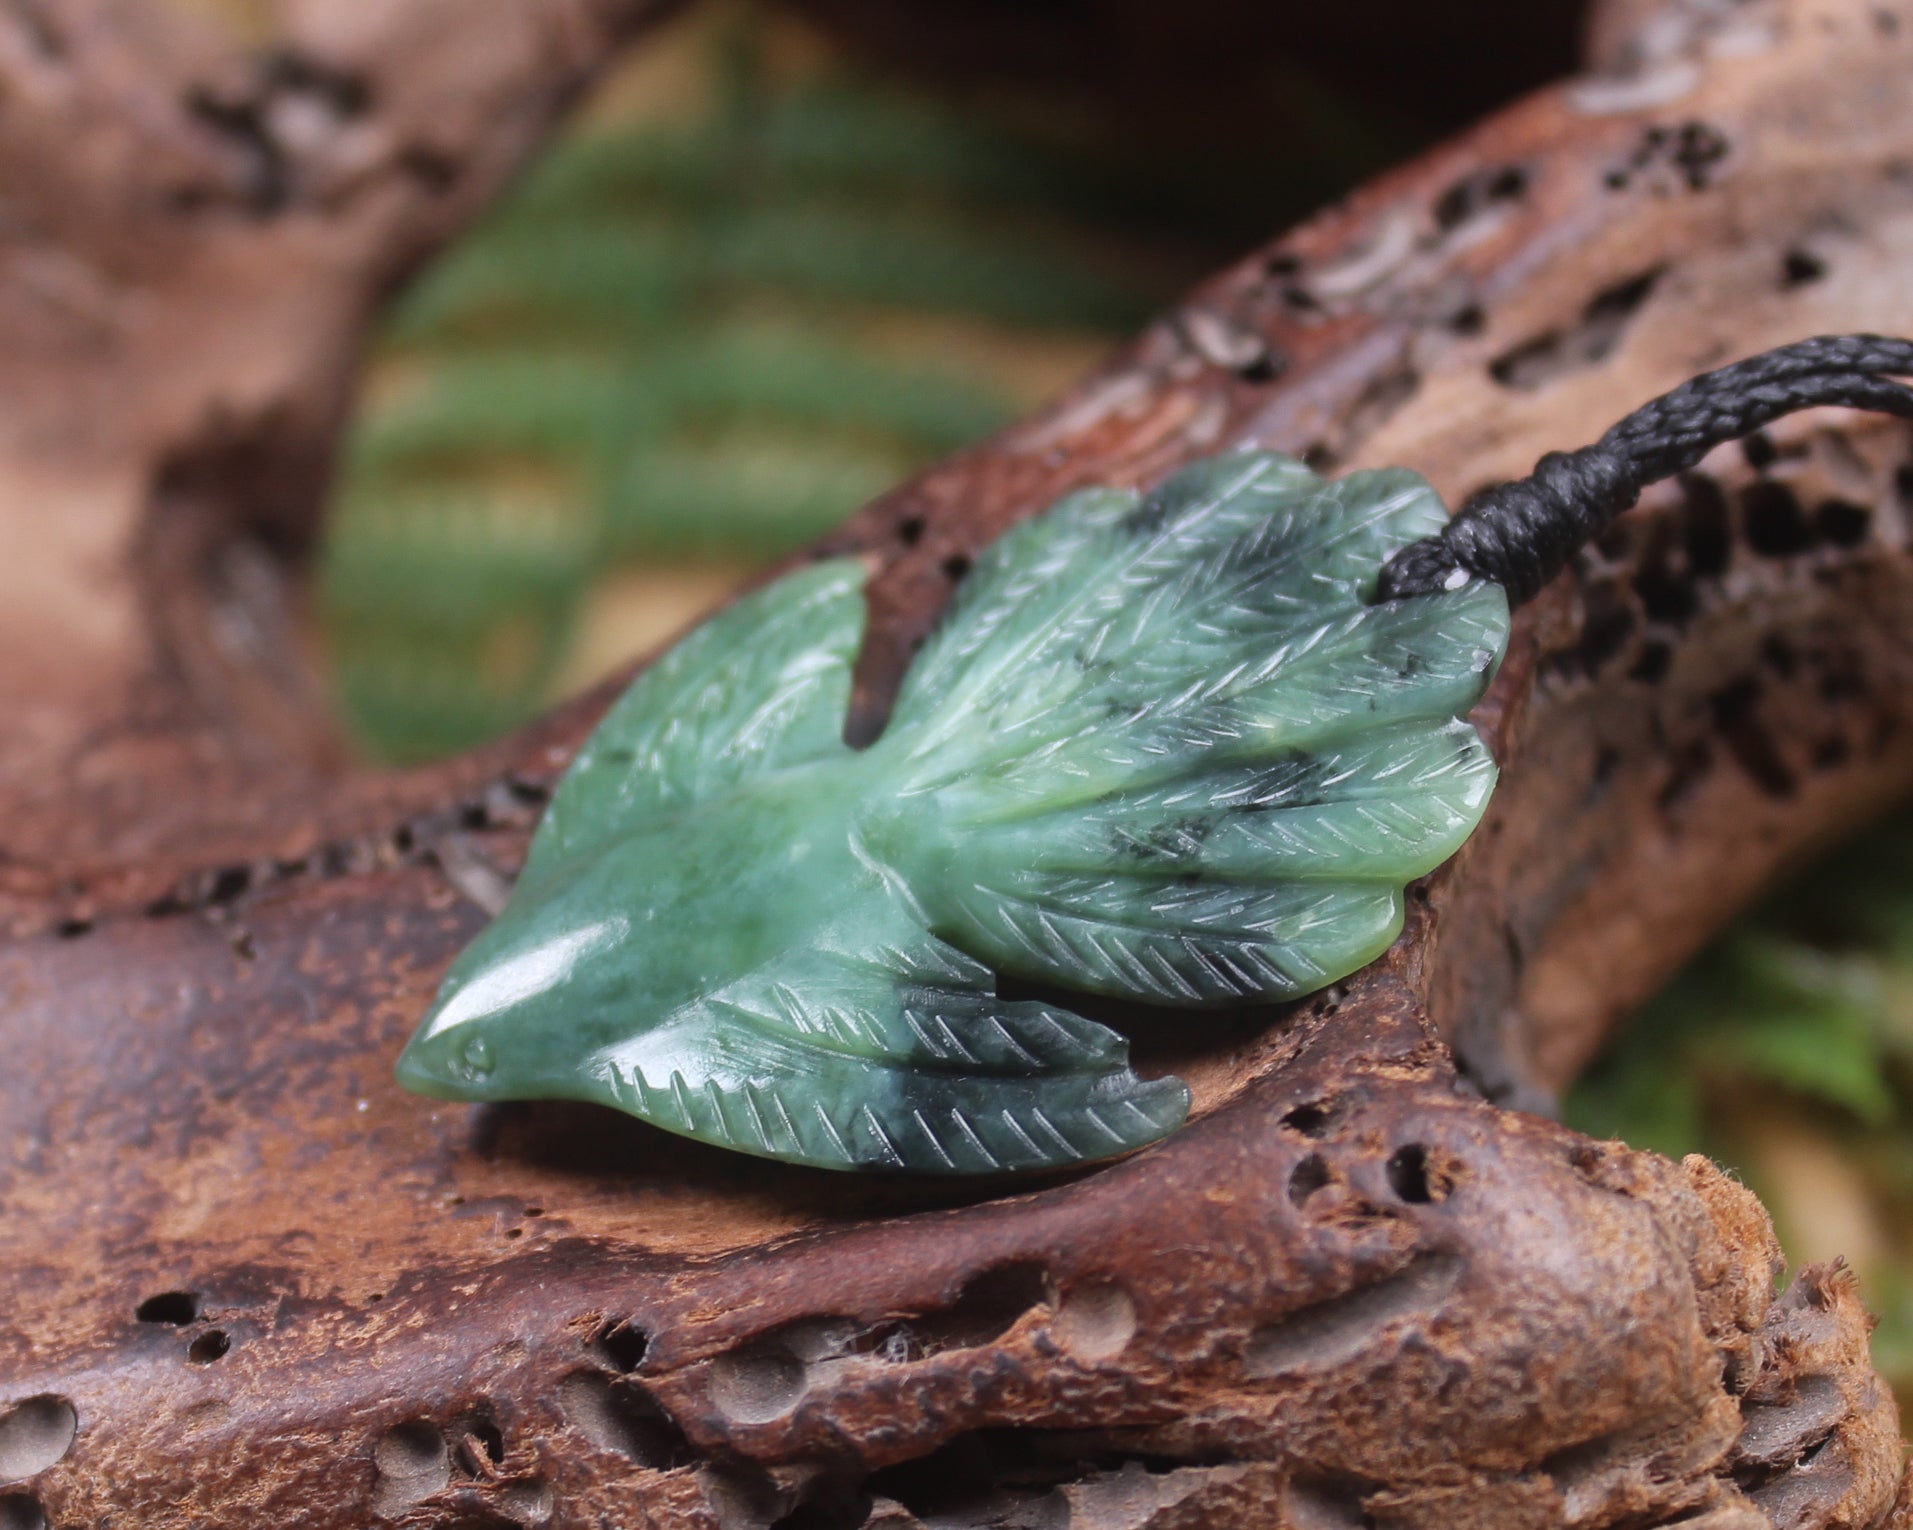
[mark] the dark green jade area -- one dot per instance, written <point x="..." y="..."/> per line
<point x="1162" y="748"/>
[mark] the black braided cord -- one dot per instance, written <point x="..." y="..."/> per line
<point x="1521" y="534"/>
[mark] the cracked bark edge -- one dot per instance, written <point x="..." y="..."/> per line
<point x="1355" y="1290"/>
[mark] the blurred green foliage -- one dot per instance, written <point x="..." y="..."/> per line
<point x="1802" y="1013"/>
<point x="667" y="345"/>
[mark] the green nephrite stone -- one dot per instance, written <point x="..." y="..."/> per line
<point x="1161" y="748"/>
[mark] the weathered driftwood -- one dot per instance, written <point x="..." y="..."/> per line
<point x="248" y="1282"/>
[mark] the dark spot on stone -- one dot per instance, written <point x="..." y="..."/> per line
<point x="910" y="530"/>
<point x="1759" y="450"/>
<point x="1777" y="525"/>
<point x="176" y="1308"/>
<point x="72" y="929"/>
<point x="1308" y="1176"/>
<point x="1147" y="518"/>
<point x="1831" y="753"/>
<point x="1282" y="264"/>
<point x="956" y="568"/>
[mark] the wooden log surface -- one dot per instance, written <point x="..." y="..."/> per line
<point x="247" y="1281"/>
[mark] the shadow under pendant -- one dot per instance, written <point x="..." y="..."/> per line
<point x="1162" y="747"/>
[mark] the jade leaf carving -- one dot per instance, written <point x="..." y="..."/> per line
<point x="1162" y="747"/>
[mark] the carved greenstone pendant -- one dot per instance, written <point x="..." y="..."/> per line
<point x="1161" y="748"/>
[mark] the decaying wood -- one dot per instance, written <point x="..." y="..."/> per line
<point x="248" y="1282"/>
<point x="194" y="232"/>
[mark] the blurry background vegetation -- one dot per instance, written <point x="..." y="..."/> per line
<point x="753" y="287"/>
<point x="756" y="285"/>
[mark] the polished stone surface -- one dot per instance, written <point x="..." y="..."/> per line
<point x="1162" y="748"/>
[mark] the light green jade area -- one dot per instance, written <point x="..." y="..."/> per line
<point x="1161" y="748"/>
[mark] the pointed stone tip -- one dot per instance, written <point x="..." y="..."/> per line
<point x="415" y="1073"/>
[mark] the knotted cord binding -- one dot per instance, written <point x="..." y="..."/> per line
<point x="1521" y="534"/>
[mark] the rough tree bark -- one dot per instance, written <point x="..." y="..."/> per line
<point x="195" y="236"/>
<point x="248" y="1282"/>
